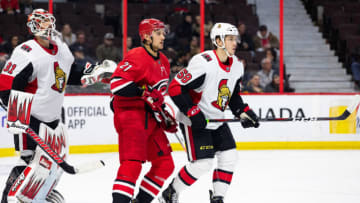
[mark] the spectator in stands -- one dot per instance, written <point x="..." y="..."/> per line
<point x="9" y="6"/>
<point x="10" y="45"/>
<point x="129" y="43"/>
<point x="246" y="42"/>
<point x="265" y="39"/>
<point x="67" y="35"/>
<point x="196" y="26"/>
<point x="26" y="6"/>
<point x="253" y="86"/>
<point x="3" y="58"/>
<point x="184" y="30"/>
<point x="181" y="62"/>
<point x="108" y="50"/>
<point x="272" y="55"/>
<point x="355" y="66"/>
<point x="184" y="2"/>
<point x="81" y="41"/>
<point x="266" y="73"/>
<point x="170" y="42"/>
<point x="274" y="85"/>
<point x="80" y="57"/>
<point x="194" y="46"/>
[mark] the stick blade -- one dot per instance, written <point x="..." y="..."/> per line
<point x="90" y="166"/>
<point x="354" y="104"/>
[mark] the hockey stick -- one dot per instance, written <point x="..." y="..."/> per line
<point x="167" y="120"/>
<point x="351" y="108"/>
<point x="54" y="156"/>
<point x="61" y="162"/>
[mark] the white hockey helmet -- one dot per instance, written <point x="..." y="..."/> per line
<point x="221" y="30"/>
<point x="35" y="20"/>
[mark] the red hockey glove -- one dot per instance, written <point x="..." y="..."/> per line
<point x="168" y="122"/>
<point x="153" y="99"/>
<point x="197" y="118"/>
<point x="248" y="118"/>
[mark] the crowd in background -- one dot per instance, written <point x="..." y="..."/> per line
<point x="182" y="42"/>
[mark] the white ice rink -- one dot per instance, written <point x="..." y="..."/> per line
<point x="260" y="177"/>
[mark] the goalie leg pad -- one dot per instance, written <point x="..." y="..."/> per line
<point x="42" y="174"/>
<point x="55" y="197"/>
<point x="14" y="174"/>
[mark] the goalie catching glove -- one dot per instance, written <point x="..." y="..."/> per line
<point x="248" y="118"/>
<point x="98" y="72"/>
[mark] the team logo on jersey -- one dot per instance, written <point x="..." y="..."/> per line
<point x="224" y="95"/>
<point x="60" y="78"/>
<point x="161" y="86"/>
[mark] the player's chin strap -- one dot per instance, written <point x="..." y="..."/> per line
<point x="223" y="47"/>
<point x="151" y="45"/>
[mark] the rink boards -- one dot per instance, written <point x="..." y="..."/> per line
<point x="90" y="124"/>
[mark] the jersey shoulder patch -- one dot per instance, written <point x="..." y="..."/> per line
<point x="206" y="56"/>
<point x="26" y="47"/>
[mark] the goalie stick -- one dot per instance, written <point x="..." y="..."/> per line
<point x="351" y="108"/>
<point x="61" y="162"/>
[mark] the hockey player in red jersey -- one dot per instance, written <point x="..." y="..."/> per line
<point x="32" y="86"/>
<point x="203" y="90"/>
<point x="138" y="85"/>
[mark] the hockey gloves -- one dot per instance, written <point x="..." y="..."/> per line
<point x="94" y="73"/>
<point x="248" y="118"/>
<point x="168" y="122"/>
<point x="18" y="114"/>
<point x="197" y="118"/>
<point x="154" y="99"/>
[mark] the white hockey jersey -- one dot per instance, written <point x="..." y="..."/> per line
<point x="51" y="69"/>
<point x="218" y="83"/>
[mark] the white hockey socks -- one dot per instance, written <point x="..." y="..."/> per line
<point x="190" y="173"/>
<point x="222" y="175"/>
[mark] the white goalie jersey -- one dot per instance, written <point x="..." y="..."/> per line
<point x="46" y="72"/>
<point x="210" y="83"/>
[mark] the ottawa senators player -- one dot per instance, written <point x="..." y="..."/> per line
<point x="203" y="90"/>
<point x="138" y="85"/>
<point x="32" y="85"/>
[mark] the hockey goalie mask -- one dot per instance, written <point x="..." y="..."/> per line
<point x="147" y="26"/>
<point x="222" y="30"/>
<point x="41" y="23"/>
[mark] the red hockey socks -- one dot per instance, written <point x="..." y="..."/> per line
<point x="151" y="185"/>
<point x="124" y="185"/>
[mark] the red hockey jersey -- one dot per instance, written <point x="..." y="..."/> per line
<point x="138" y="70"/>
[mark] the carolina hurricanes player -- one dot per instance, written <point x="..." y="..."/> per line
<point x="32" y="85"/>
<point x="138" y="85"/>
<point x="203" y="90"/>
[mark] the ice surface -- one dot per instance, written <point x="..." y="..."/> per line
<point x="260" y="176"/>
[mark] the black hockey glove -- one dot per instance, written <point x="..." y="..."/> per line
<point x="248" y="118"/>
<point x="197" y="118"/>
